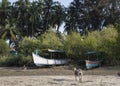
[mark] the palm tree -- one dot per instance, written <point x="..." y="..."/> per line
<point x="4" y="10"/>
<point x="22" y="16"/>
<point x="91" y="14"/>
<point x="74" y="16"/>
<point x="35" y="11"/>
<point x="9" y="32"/>
<point x="52" y="14"/>
<point x="58" y="15"/>
<point x="46" y="14"/>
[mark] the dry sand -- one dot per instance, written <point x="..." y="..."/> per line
<point x="57" y="80"/>
<point x="105" y="76"/>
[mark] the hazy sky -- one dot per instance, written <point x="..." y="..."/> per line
<point x="64" y="2"/>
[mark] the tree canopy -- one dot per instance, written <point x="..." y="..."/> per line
<point x="35" y="18"/>
<point x="92" y="14"/>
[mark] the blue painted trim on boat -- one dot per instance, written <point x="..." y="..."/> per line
<point x="88" y="66"/>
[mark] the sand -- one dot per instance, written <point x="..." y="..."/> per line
<point x="58" y="80"/>
<point x="58" y="76"/>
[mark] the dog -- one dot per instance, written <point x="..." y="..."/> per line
<point x="78" y="73"/>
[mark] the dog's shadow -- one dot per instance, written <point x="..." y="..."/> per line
<point x="60" y="80"/>
<point x="87" y="81"/>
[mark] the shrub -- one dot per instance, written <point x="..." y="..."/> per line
<point x="109" y="39"/>
<point x="28" y="45"/>
<point x="92" y="42"/>
<point x="4" y="48"/>
<point x="73" y="45"/>
<point x="16" y="60"/>
<point x="27" y="61"/>
<point x="51" y="40"/>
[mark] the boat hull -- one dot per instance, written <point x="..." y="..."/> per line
<point x="92" y="64"/>
<point x="41" y="61"/>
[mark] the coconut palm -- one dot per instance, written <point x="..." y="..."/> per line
<point x="74" y="16"/>
<point x="4" y="10"/>
<point x="52" y="14"/>
<point x="92" y="14"/>
<point x="22" y="15"/>
<point x="58" y="15"/>
<point x="9" y="32"/>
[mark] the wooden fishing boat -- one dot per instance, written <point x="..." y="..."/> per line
<point x="42" y="61"/>
<point x="92" y="64"/>
<point x="93" y="59"/>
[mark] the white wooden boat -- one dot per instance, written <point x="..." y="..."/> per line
<point x="41" y="61"/>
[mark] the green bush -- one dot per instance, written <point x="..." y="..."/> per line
<point x="92" y="41"/>
<point x="16" y="60"/>
<point x="112" y="60"/>
<point x="28" y="45"/>
<point x="28" y="61"/>
<point x="117" y="47"/>
<point x="105" y="41"/>
<point x="50" y="39"/>
<point x="4" y="48"/>
<point x="73" y="45"/>
<point x="109" y="40"/>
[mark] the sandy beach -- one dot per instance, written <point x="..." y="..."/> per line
<point x="58" y="77"/>
<point x="88" y="80"/>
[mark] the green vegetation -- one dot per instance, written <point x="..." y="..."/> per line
<point x="105" y="41"/>
<point x="51" y="40"/>
<point x="19" y="60"/>
<point x="4" y="48"/>
<point x="28" y="45"/>
<point x="89" y="26"/>
<point x="74" y="44"/>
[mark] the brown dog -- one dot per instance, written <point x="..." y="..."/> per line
<point x="78" y="74"/>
